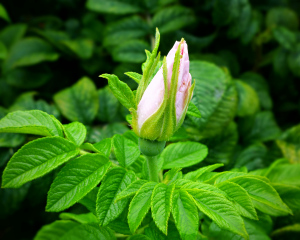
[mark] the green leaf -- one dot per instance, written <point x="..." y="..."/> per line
<point x="224" y="11"/>
<point x="83" y="48"/>
<point x="132" y="51"/>
<point x="289" y="144"/>
<point x="79" y="102"/>
<point x="138" y="237"/>
<point x="80" y="218"/>
<point x="289" y="194"/>
<point x="285" y="37"/>
<point x="263" y="195"/>
<point x="285" y="174"/>
<point x="281" y="16"/>
<point x="260" y="85"/>
<point x="248" y="103"/>
<point x="240" y="198"/>
<point x="161" y="205"/>
<point x="221" y="147"/>
<point x="125" y="150"/>
<point x="108" y="105"/>
<point x="11" y="139"/>
<point x="29" y="51"/>
<point x="91" y="232"/>
<point x="121" y="91"/>
<point x="76" y="180"/>
<point x="185" y="214"/>
<point x="172" y="175"/>
<point x="131" y="189"/>
<point x="56" y="230"/>
<point x="126" y="29"/>
<point x="140" y="205"/>
<point x="26" y="101"/>
<point x="251" y="156"/>
<point x="219" y="105"/>
<point x="3" y="51"/>
<point x="37" y="158"/>
<point x="194" y="175"/>
<point x="193" y="110"/>
<point x="116" y="180"/>
<point x="29" y="77"/>
<point x="89" y="201"/>
<point x="31" y="122"/>
<point x="135" y="76"/>
<point x="102" y="147"/>
<point x="3" y="14"/>
<point x="183" y="154"/>
<point x="259" y="128"/>
<point x="294" y="60"/>
<point x="219" y="209"/>
<point x="293" y="230"/>
<point x="75" y="132"/>
<point x="112" y="6"/>
<point x="172" y="18"/>
<point x="12" y="33"/>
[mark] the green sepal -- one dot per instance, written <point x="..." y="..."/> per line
<point x="147" y="69"/>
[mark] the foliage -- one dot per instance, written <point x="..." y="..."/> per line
<point x="230" y="172"/>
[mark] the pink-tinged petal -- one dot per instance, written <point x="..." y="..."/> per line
<point x="154" y="94"/>
<point x="182" y="95"/>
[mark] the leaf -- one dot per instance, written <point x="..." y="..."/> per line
<point x="248" y="103"/>
<point x="89" y="201"/>
<point x="37" y="158"/>
<point x="56" y="230"/>
<point x="75" y="132"/>
<point x="291" y="229"/>
<point x="259" y="128"/>
<point x="135" y="76"/>
<point x="172" y="18"/>
<point x="251" y="156"/>
<point x="289" y="144"/>
<point x="131" y="189"/>
<point x="185" y="214"/>
<point x="194" y="175"/>
<point x="83" y="48"/>
<point x="79" y="102"/>
<point x="285" y="174"/>
<point x="3" y="14"/>
<point x="132" y="51"/>
<point x="108" y="105"/>
<point x="11" y="139"/>
<point x="193" y="110"/>
<point x="3" y="51"/>
<point x="263" y="195"/>
<point x="172" y="175"/>
<point x="116" y="180"/>
<point x="138" y="237"/>
<point x="219" y="105"/>
<point x="29" y="51"/>
<point x="240" y="198"/>
<point x="32" y="122"/>
<point x="80" y="218"/>
<point x="26" y="101"/>
<point x="76" y="180"/>
<point x="161" y="205"/>
<point x="219" y="209"/>
<point x="221" y="147"/>
<point x="289" y="194"/>
<point x="285" y="37"/>
<point x="133" y="27"/>
<point x="121" y="91"/>
<point x="112" y="6"/>
<point x="224" y="11"/>
<point x="12" y="33"/>
<point x="183" y="154"/>
<point x="91" y="232"/>
<point x="294" y="60"/>
<point x="140" y="205"/>
<point x="125" y="150"/>
<point x="281" y="16"/>
<point x="29" y="77"/>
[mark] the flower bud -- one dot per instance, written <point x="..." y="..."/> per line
<point x="164" y="103"/>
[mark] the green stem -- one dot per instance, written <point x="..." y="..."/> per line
<point x="152" y="168"/>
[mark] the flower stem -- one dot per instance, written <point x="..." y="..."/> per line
<point x="151" y="150"/>
<point x="152" y="168"/>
